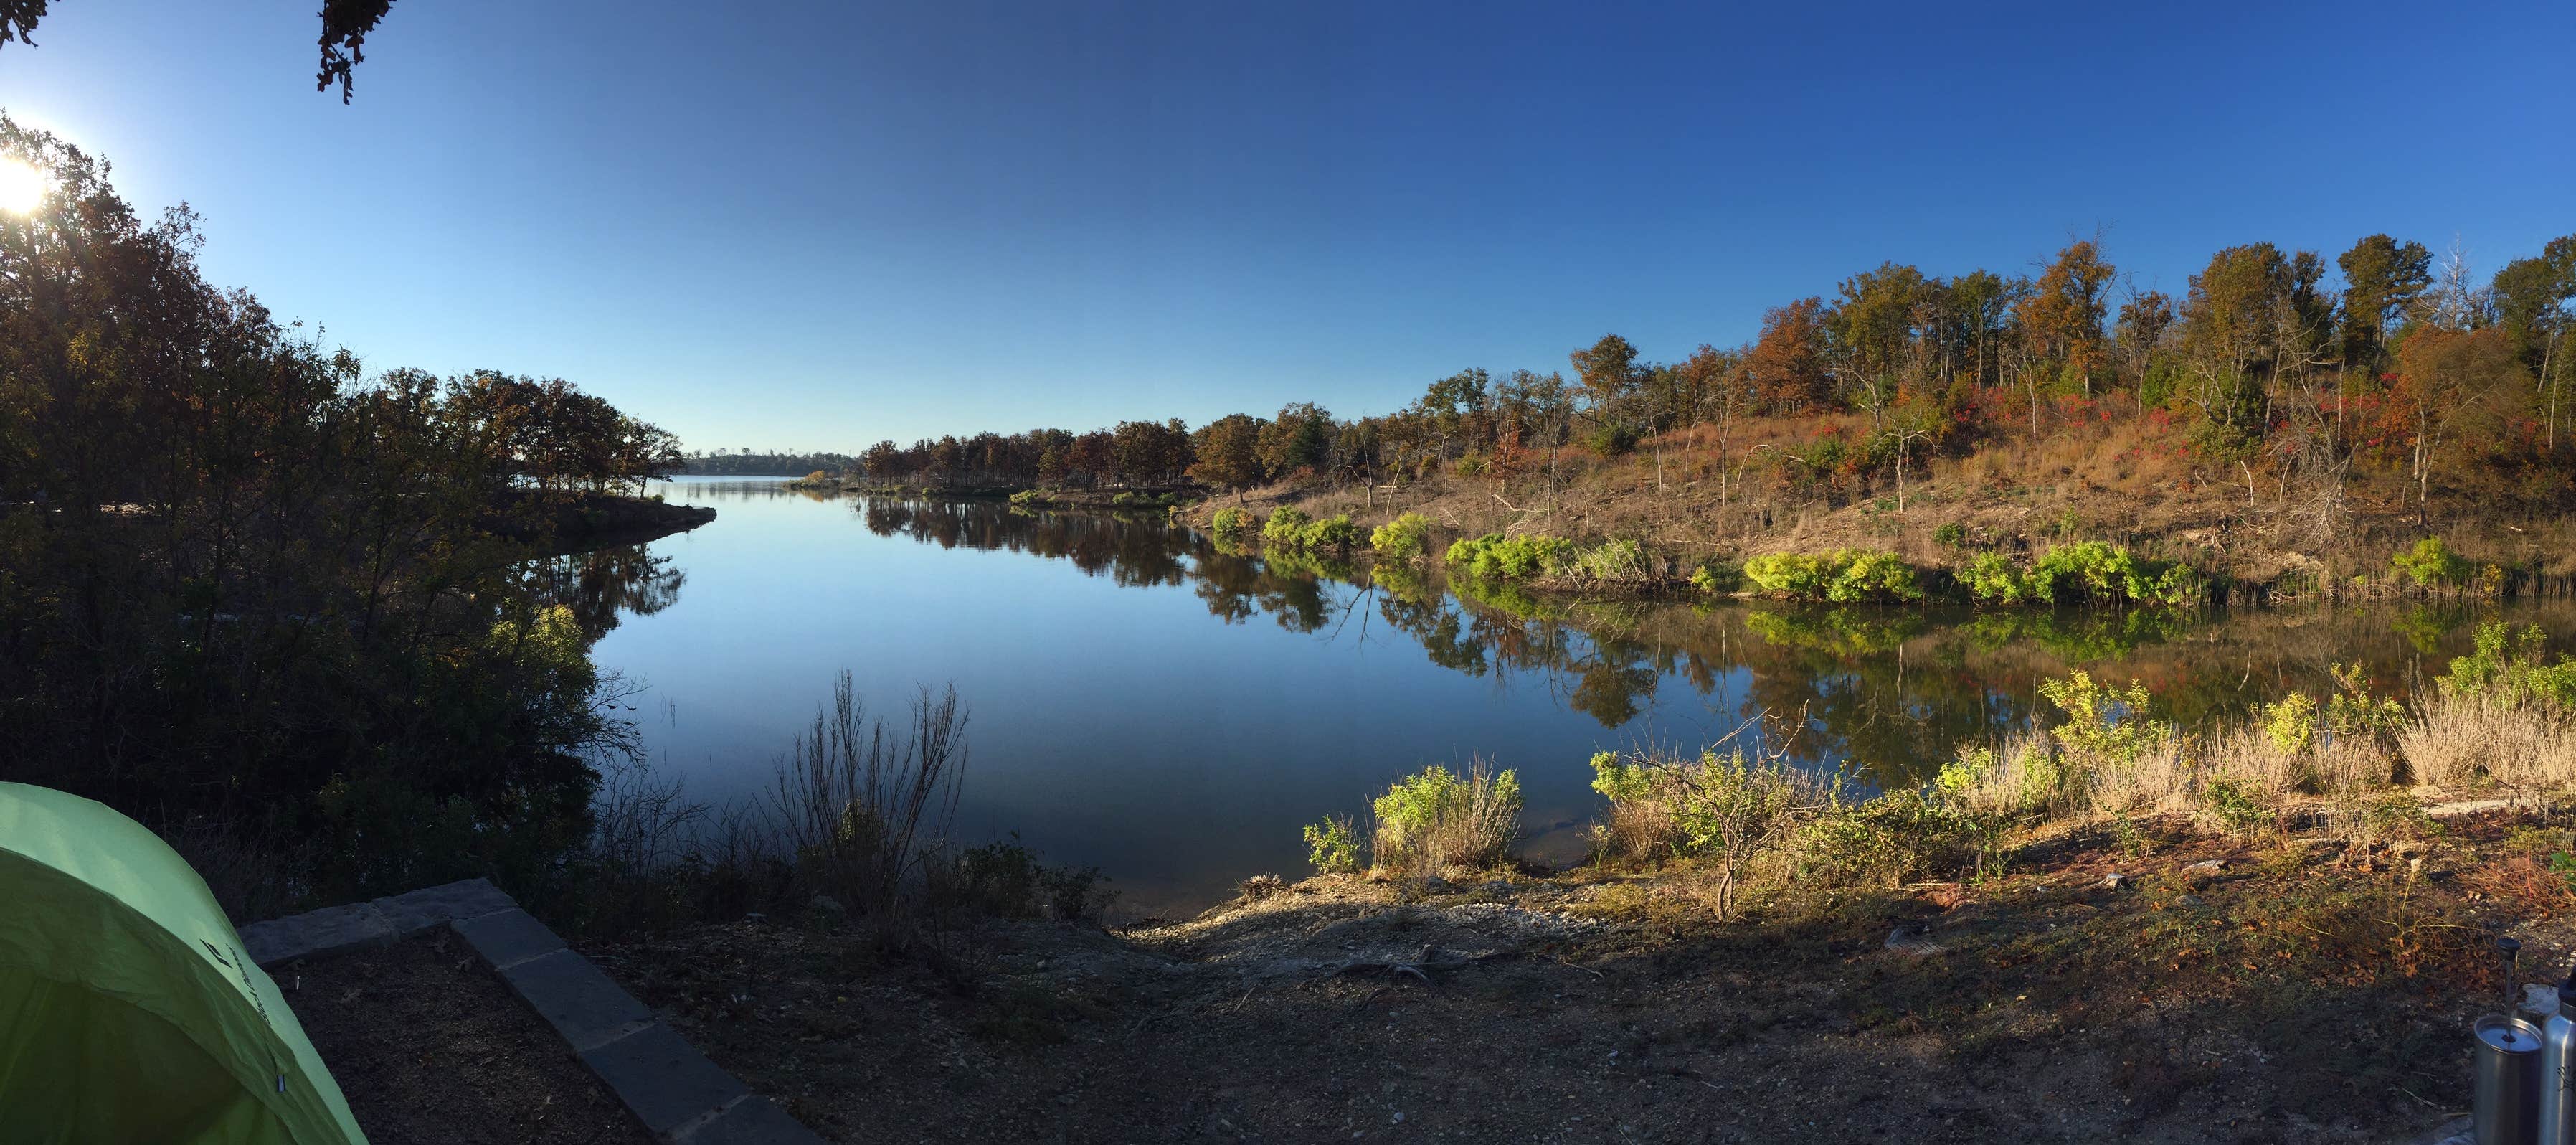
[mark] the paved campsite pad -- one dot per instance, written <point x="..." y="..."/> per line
<point x="430" y="1047"/>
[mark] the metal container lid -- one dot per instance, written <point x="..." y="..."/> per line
<point x="2509" y="1035"/>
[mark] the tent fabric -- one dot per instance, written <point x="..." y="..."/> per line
<point x="128" y="1012"/>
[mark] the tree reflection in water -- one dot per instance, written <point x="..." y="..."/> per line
<point x="1898" y="690"/>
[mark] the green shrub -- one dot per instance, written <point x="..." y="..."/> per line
<point x="2290" y="723"/>
<point x="1900" y="836"/>
<point x="1789" y="574"/>
<point x="1464" y="551"/>
<point x="1714" y="579"/>
<point x="1614" y="560"/>
<point x="1123" y="500"/>
<point x="2432" y="564"/>
<point x="1403" y="538"/>
<point x="1439" y="817"/>
<point x="1332" y="534"/>
<point x="1844" y="576"/>
<point x="1612" y="440"/>
<point x="1727" y="812"/>
<point x="2508" y="667"/>
<point x="1950" y="535"/>
<point x="1991" y="577"/>
<point x="1333" y="846"/>
<point x="2104" y="726"/>
<point x="1006" y="878"/>
<point x="2239" y="806"/>
<point x="1872" y="575"/>
<point x="1286" y="527"/>
<point x="2353" y="713"/>
<point x="2081" y="570"/>
<point x="1497" y="557"/>
<point x="1229" y="525"/>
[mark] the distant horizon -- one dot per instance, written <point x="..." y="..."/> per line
<point x="894" y="224"/>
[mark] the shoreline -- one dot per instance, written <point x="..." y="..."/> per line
<point x="2162" y="987"/>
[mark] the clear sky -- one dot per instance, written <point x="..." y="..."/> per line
<point x="816" y="225"/>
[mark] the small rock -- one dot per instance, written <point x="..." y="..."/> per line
<point x="2208" y="865"/>
<point x="2113" y="882"/>
<point x="2190" y="900"/>
<point x="1912" y="941"/>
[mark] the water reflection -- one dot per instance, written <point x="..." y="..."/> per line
<point x="603" y="586"/>
<point x="1900" y="691"/>
<point x="1176" y="712"/>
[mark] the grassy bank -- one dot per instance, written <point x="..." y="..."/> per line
<point x="2500" y="722"/>
<point x="1705" y="499"/>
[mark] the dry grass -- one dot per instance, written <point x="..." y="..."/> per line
<point x="2449" y="741"/>
<point x="2035" y="775"/>
<point x="2245" y="756"/>
<point x="2459" y="741"/>
<point x="863" y="809"/>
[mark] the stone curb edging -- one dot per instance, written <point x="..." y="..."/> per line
<point x="678" y="1094"/>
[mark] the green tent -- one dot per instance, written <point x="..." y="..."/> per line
<point x="127" y="1011"/>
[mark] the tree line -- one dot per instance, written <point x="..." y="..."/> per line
<point x="774" y="463"/>
<point x="2405" y="365"/>
<point x="242" y="580"/>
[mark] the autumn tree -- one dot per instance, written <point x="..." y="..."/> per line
<point x="2061" y="320"/>
<point x="2454" y="398"/>
<point x="1228" y="453"/>
<point x="1979" y="307"/>
<point x="1871" y="332"/>
<point x="2232" y="322"/>
<point x="1610" y="372"/>
<point x="1786" y="367"/>
<point x="1151" y="453"/>
<point x="1300" y="438"/>
<point x="1093" y="456"/>
<point x="2532" y="296"/>
<point x="2137" y="338"/>
<point x="883" y="461"/>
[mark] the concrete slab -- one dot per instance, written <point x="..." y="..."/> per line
<point x="574" y="997"/>
<point x="429" y="908"/>
<point x="316" y="934"/>
<point x="671" y="1087"/>
<point x="750" y="1121"/>
<point x="507" y="938"/>
<point x="662" y="1079"/>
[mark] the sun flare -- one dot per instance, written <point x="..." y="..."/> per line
<point x="22" y="187"/>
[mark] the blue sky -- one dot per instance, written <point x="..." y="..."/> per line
<point x="818" y="225"/>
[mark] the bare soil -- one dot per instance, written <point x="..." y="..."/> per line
<point x="2298" y="989"/>
<point x="428" y="1046"/>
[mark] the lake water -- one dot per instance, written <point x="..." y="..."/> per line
<point x="1173" y="714"/>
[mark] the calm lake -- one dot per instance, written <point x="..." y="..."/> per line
<point x="1172" y="714"/>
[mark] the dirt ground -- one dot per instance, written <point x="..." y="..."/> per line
<point x="2218" y="990"/>
<point x="428" y="1046"/>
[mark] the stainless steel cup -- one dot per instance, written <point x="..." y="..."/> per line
<point x="2507" y="1109"/>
